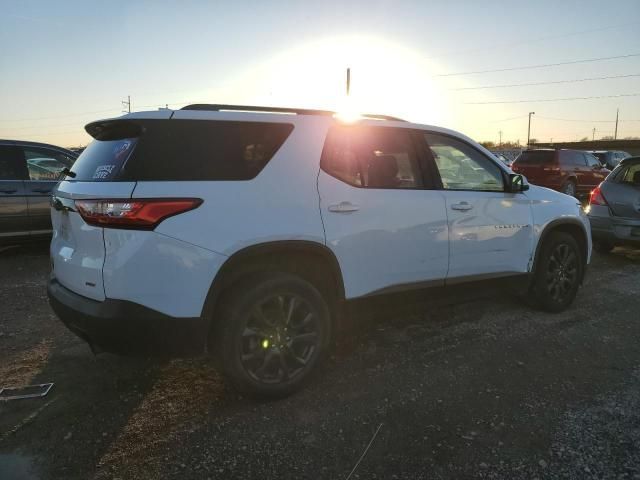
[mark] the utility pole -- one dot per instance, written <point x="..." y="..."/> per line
<point x="593" y="136"/>
<point x="348" y="81"/>
<point x="529" y="129"/>
<point x="126" y="105"/>
<point x="500" y="144"/>
<point x="615" y="135"/>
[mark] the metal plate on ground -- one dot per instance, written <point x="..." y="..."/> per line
<point x="30" y="391"/>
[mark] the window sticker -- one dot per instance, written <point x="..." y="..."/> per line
<point x="121" y="150"/>
<point x="103" y="171"/>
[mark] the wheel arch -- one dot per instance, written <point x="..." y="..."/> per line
<point x="293" y="256"/>
<point x="573" y="227"/>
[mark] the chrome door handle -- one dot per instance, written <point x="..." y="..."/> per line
<point x="462" y="206"/>
<point x="344" y="207"/>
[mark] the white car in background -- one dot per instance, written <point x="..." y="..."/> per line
<point x="243" y="231"/>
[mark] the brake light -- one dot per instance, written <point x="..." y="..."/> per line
<point x="139" y="213"/>
<point x="596" y="197"/>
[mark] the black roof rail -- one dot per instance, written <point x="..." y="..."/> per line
<point x="252" y="108"/>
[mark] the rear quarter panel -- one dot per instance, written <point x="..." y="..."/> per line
<point x="281" y="203"/>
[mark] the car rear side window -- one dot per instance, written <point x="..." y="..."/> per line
<point x="573" y="158"/>
<point x="372" y="157"/>
<point x="183" y="150"/>
<point x="631" y="174"/>
<point x="535" y="157"/>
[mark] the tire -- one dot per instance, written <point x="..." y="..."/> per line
<point x="274" y="332"/>
<point x="569" y="188"/>
<point x="558" y="273"/>
<point x="603" y="247"/>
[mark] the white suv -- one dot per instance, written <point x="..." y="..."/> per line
<point x="244" y="231"/>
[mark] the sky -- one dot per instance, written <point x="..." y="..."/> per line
<point x="66" y="63"/>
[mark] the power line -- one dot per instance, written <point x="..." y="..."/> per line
<point x="510" y="118"/>
<point x="580" y="120"/>
<point x="42" y="127"/>
<point x="530" y="40"/>
<point x="529" y="67"/>
<point x="58" y="116"/>
<point x="566" y="99"/>
<point x="547" y="83"/>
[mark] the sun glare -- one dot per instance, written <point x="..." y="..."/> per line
<point x="386" y="78"/>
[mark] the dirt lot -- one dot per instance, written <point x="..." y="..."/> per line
<point x="484" y="389"/>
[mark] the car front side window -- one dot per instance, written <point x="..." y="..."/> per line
<point x="44" y="164"/>
<point x="462" y="167"/>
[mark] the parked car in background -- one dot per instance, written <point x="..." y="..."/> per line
<point x="571" y="172"/>
<point x="614" y="207"/>
<point x="610" y="158"/>
<point x="242" y="231"/>
<point x="502" y="158"/>
<point x="28" y="173"/>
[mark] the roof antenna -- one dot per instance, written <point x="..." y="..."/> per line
<point x="348" y="81"/>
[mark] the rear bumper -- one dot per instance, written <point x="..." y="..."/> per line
<point x="615" y="230"/>
<point x="119" y="326"/>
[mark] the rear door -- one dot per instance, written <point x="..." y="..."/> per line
<point x="490" y="230"/>
<point x="623" y="192"/>
<point x="44" y="166"/>
<point x="386" y="227"/>
<point x="14" y="214"/>
<point x="77" y="249"/>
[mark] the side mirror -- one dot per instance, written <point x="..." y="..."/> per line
<point x="517" y="183"/>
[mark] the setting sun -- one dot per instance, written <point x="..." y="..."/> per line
<point x="387" y="78"/>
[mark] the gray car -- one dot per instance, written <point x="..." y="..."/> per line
<point x="28" y="173"/>
<point x="614" y="207"/>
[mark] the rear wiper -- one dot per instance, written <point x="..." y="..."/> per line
<point x="67" y="172"/>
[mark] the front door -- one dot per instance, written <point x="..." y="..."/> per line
<point x="490" y="230"/>
<point x="387" y="229"/>
<point x="595" y="172"/>
<point x="14" y="215"/>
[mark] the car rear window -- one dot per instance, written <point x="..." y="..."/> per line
<point x="180" y="150"/>
<point x="535" y="157"/>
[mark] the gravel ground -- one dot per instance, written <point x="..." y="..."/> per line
<point x="483" y="389"/>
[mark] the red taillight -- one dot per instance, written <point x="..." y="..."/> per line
<point x="139" y="213"/>
<point x="596" y="197"/>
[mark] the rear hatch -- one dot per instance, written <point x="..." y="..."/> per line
<point x="622" y="191"/>
<point x="536" y="165"/>
<point x="77" y="248"/>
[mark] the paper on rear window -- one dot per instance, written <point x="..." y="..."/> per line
<point x="102" y="160"/>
